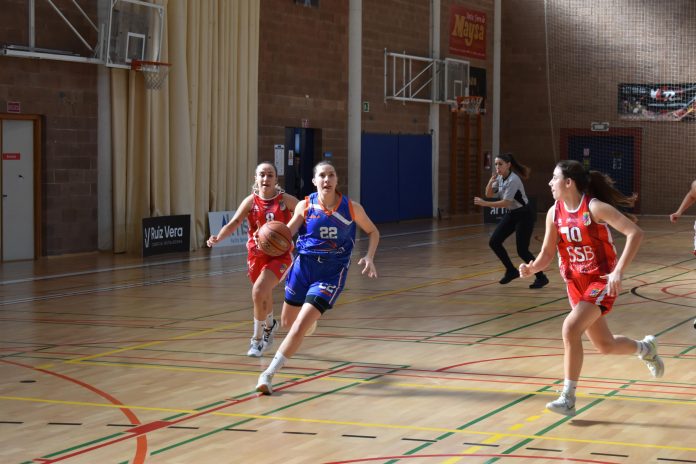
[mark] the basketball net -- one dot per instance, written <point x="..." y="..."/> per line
<point x="470" y="105"/>
<point x="154" y="72"/>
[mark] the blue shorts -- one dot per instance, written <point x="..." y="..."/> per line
<point x="315" y="280"/>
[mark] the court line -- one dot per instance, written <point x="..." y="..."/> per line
<point x="375" y="425"/>
<point x="148" y="344"/>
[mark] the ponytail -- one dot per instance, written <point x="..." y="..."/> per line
<point x="519" y="168"/>
<point x="597" y="185"/>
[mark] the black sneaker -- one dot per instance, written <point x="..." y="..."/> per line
<point x="510" y="276"/>
<point x="539" y="282"/>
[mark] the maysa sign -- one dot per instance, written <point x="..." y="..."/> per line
<point x="165" y="234"/>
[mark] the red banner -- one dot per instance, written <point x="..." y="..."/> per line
<point x="467" y="32"/>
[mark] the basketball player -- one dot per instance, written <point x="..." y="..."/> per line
<point x="578" y="226"/>
<point x="318" y="274"/>
<point x="506" y="184"/>
<point x="267" y="202"/>
<point x="688" y="200"/>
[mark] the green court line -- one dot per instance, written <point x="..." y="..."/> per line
<point x="73" y="448"/>
<point x="288" y="406"/>
<point x="553" y="426"/>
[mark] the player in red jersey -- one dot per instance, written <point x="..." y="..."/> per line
<point x="577" y="225"/>
<point x="267" y="202"/>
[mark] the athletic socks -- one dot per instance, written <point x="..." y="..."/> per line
<point x="269" y="320"/>
<point x="276" y="364"/>
<point x="258" y="329"/>
<point x="642" y="348"/>
<point x="569" y="387"/>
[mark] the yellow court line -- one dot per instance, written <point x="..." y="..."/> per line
<point x="145" y="345"/>
<point x="358" y="424"/>
<point x="237" y="324"/>
<point x="391" y="384"/>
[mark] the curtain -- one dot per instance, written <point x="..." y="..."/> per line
<point x="190" y="147"/>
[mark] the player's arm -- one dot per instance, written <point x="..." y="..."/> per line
<point x="688" y="200"/>
<point x="290" y="201"/>
<point x="493" y="204"/>
<point x="603" y="212"/>
<point x="229" y="228"/>
<point x="548" y="248"/>
<point x="297" y="218"/>
<point x="363" y="220"/>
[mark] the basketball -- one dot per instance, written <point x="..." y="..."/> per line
<point x="274" y="238"/>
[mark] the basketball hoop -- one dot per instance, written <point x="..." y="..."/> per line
<point x="470" y="105"/>
<point x="154" y="72"/>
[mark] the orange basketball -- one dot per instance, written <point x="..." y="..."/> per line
<point x="274" y="238"/>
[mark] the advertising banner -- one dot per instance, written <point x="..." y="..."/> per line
<point x="166" y="234"/>
<point x="657" y="102"/>
<point x="218" y="219"/>
<point x="467" y="35"/>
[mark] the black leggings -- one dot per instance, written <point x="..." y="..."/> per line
<point x="520" y="221"/>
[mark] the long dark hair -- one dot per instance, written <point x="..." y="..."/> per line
<point x="597" y="185"/>
<point x="521" y="170"/>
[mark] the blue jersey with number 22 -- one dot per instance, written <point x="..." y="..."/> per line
<point x="328" y="234"/>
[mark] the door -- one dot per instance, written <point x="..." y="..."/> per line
<point x="20" y="193"/>
<point x="396" y="176"/>
<point x="615" y="153"/>
<point x="303" y="152"/>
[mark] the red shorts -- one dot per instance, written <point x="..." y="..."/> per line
<point x="257" y="262"/>
<point x="592" y="289"/>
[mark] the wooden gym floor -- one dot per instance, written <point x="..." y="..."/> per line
<point x="109" y="359"/>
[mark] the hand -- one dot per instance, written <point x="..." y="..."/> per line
<point x="212" y="241"/>
<point x="674" y="216"/>
<point x="613" y="283"/>
<point x="526" y="269"/>
<point x="368" y="267"/>
<point x="478" y="201"/>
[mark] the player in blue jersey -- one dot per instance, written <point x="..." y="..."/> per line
<point x="326" y="221"/>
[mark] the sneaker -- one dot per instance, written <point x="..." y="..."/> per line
<point x="265" y="384"/>
<point x="269" y="334"/>
<point x="510" y="276"/>
<point x="256" y="347"/>
<point x="540" y="282"/>
<point x="652" y="360"/>
<point x="563" y="405"/>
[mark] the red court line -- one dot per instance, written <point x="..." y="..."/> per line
<point x="139" y="432"/>
<point x="515" y="456"/>
<point x="141" y="443"/>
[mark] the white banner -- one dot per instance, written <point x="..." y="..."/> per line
<point x="218" y="219"/>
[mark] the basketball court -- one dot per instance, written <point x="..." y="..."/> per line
<point x="108" y="359"/>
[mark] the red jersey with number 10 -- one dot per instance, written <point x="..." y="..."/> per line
<point x="584" y="247"/>
<point x="263" y="211"/>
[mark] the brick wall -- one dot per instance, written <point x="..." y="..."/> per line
<point x="65" y="95"/>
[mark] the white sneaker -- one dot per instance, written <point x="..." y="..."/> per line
<point x="269" y="334"/>
<point x="256" y="347"/>
<point x="265" y="384"/>
<point x="652" y="360"/>
<point x="563" y="405"/>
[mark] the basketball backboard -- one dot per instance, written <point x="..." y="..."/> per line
<point x="135" y="33"/>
